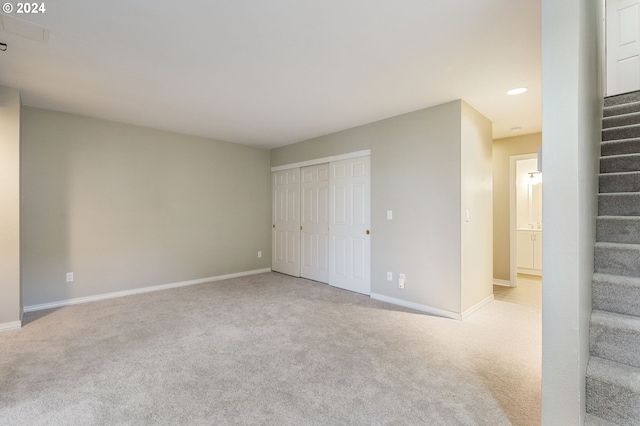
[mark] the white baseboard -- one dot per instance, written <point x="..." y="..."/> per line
<point x="477" y="306"/>
<point x="528" y="271"/>
<point x="10" y="325"/>
<point x="416" y="306"/>
<point x="505" y="283"/>
<point x="95" y="298"/>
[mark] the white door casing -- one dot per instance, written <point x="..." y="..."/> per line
<point x="349" y="222"/>
<point x="315" y="222"/>
<point x="623" y="46"/>
<point x="286" y="222"/>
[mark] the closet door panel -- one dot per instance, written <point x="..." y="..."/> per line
<point x="286" y="222"/>
<point x="349" y="224"/>
<point x="315" y="222"/>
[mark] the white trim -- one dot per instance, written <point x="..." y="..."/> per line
<point x="315" y="161"/>
<point x="10" y="325"/>
<point x="477" y="306"/>
<point x="505" y="283"/>
<point x="530" y="271"/>
<point x="417" y="306"/>
<point x="95" y="298"/>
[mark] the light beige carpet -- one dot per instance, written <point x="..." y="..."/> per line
<point x="271" y="350"/>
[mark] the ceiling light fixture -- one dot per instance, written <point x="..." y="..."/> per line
<point x="3" y="47"/>
<point x="517" y="91"/>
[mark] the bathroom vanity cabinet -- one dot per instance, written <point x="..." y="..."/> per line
<point x="529" y="260"/>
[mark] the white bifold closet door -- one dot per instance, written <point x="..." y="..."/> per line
<point x="349" y="223"/>
<point x="285" y="238"/>
<point x="321" y="223"/>
<point x="314" y="232"/>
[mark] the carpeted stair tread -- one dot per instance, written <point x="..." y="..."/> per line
<point x="616" y="293"/>
<point x="617" y="147"/>
<point x="591" y="420"/>
<point x="621" y="132"/>
<point x="613" y="371"/>
<point x="615" y="337"/>
<point x="619" y="204"/>
<point x="613" y="391"/>
<point x="623" y="98"/>
<point x="621" y="120"/>
<point x="618" y="229"/>
<point x="626" y="108"/>
<point x="620" y="163"/>
<point x="617" y="259"/>
<point x="620" y="182"/>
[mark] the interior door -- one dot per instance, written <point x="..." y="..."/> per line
<point x="349" y="222"/>
<point x="623" y="46"/>
<point x="315" y="223"/>
<point x="286" y="222"/>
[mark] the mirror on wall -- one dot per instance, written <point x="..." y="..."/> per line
<point x="529" y="194"/>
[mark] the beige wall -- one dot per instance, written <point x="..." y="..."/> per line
<point x="125" y="207"/>
<point x="416" y="172"/>
<point x="477" y="189"/>
<point x="10" y="295"/>
<point x="572" y="93"/>
<point x="502" y="150"/>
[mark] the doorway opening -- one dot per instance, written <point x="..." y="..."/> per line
<point x="525" y="233"/>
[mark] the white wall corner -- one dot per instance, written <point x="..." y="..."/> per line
<point x="477" y="306"/>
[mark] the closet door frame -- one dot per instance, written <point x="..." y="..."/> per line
<point x="296" y="271"/>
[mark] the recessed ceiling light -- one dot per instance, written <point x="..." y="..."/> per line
<point x="517" y="91"/>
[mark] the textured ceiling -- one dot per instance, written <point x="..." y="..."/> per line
<point x="271" y="73"/>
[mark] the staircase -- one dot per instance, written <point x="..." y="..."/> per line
<point x="613" y="373"/>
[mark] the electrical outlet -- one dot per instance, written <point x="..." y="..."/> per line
<point x="389" y="276"/>
<point x="401" y="279"/>
<point x="69" y="277"/>
<point x="259" y="254"/>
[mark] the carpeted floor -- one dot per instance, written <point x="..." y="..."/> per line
<point x="271" y="350"/>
